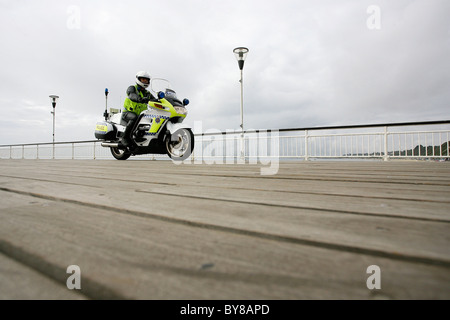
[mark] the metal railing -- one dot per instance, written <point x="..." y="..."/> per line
<point x="412" y="140"/>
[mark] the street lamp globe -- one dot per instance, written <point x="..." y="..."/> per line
<point x="54" y="98"/>
<point x="241" y="54"/>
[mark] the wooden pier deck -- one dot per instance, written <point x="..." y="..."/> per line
<point x="157" y="230"/>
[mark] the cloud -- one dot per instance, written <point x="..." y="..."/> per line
<point x="309" y="64"/>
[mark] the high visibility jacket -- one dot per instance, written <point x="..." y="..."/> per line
<point x="134" y="100"/>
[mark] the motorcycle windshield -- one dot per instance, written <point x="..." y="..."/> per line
<point x="158" y="84"/>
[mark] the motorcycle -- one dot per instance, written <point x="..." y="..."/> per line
<point x="158" y="130"/>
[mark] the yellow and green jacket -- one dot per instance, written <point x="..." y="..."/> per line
<point x="137" y="99"/>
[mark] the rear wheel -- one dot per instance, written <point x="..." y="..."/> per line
<point x="120" y="154"/>
<point x="180" y="145"/>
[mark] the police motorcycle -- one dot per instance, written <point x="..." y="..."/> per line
<point x="158" y="130"/>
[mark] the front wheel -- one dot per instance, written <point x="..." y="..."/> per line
<point x="180" y="145"/>
<point x="120" y="154"/>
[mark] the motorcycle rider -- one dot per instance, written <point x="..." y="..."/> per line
<point x="135" y="103"/>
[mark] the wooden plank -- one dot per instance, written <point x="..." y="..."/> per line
<point x="295" y="229"/>
<point x="198" y="209"/>
<point x="424" y="239"/>
<point x="297" y="197"/>
<point x="392" y="205"/>
<point x="140" y="258"/>
<point x="387" y="190"/>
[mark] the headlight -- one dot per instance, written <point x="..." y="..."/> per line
<point x="181" y="110"/>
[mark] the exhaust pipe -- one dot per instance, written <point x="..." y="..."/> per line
<point x="111" y="144"/>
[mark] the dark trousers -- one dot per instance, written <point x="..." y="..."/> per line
<point x="130" y="118"/>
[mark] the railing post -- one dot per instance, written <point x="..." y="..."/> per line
<point x="94" y="150"/>
<point x="10" y="152"/>
<point x="306" y="145"/>
<point x="73" y="150"/>
<point x="37" y="152"/>
<point x="386" y="156"/>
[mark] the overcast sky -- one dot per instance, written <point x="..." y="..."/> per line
<point x="310" y="63"/>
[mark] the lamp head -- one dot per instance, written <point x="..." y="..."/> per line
<point x="54" y="98"/>
<point x="240" y="54"/>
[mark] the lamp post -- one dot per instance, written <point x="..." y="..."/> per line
<point x="53" y="98"/>
<point x="241" y="54"/>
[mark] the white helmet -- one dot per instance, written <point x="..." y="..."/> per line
<point x="142" y="74"/>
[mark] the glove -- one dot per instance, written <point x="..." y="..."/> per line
<point x="144" y="100"/>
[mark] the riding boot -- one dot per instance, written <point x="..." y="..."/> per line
<point x="130" y="118"/>
<point x="126" y="140"/>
